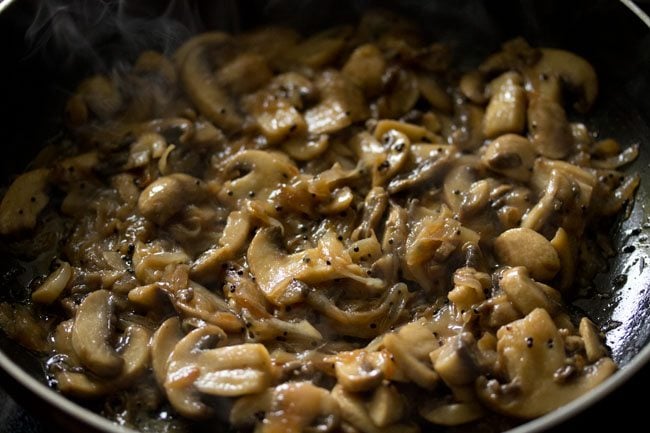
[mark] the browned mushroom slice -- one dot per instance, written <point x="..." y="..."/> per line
<point x="386" y="157"/>
<point x="429" y="170"/>
<point x="200" y="85"/>
<point x="511" y="155"/>
<point x="342" y="104"/>
<point x="472" y="86"/>
<point x="101" y="95"/>
<point x="401" y="92"/>
<point x="207" y="266"/>
<point x="244" y="74"/>
<point x="91" y="333"/>
<point x="276" y="118"/>
<point x="292" y="407"/>
<point x="377" y="316"/>
<point x="362" y="370"/>
<point x="254" y="174"/>
<point x="24" y="201"/>
<point x="467" y="133"/>
<point x="531" y="356"/>
<point x="550" y="130"/>
<point x="274" y="269"/>
<point x="514" y="54"/>
<point x="374" y="206"/>
<point x="168" y="195"/>
<point x="271" y="42"/>
<point x="365" y="67"/>
<point x="320" y="49"/>
<point x="570" y="69"/>
<point x="199" y="302"/>
<point x="146" y="148"/>
<point x="506" y="112"/>
<point x="453" y="414"/>
<point x="434" y="93"/>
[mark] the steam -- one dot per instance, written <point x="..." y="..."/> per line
<point x="101" y="34"/>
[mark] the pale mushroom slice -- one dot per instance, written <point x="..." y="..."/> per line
<point x="50" y="290"/>
<point x="355" y="411"/>
<point x="506" y="111"/>
<point x="411" y="346"/>
<point x="91" y="333"/>
<point x="135" y="356"/>
<point x="527" y="294"/>
<point x="526" y="247"/>
<point x="385" y="155"/>
<point x="292" y="407"/>
<point x="23" y="202"/>
<point x="162" y="344"/>
<point x="511" y="155"/>
<point x="168" y="195"/>
<point x="275" y="270"/>
<point x="532" y="357"/>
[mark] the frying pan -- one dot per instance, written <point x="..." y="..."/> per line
<point x="48" y="46"/>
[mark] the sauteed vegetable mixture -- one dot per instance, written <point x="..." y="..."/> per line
<point x="321" y="234"/>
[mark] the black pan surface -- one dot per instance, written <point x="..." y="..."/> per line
<point x="38" y="71"/>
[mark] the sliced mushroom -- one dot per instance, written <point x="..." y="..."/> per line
<point x="182" y="371"/>
<point x="592" y="338"/>
<point x="24" y="201"/>
<point x="207" y="266"/>
<point x="434" y="93"/>
<point x="386" y="406"/>
<point x="511" y="155"/>
<point x="254" y="173"/>
<point x="168" y="195"/>
<point x="244" y="74"/>
<point x="378" y="316"/>
<point x="526" y="247"/>
<point x="469" y="287"/>
<point x="200" y="85"/>
<point x="467" y="133"/>
<point x="571" y="69"/>
<point x="101" y="95"/>
<point x="320" y="49"/>
<point x="527" y="294"/>
<point x="135" y="355"/>
<point x="531" y="352"/>
<point x="276" y="118"/>
<point x="353" y="410"/>
<point x="401" y="92"/>
<point x="411" y="346"/>
<point x="365" y="67"/>
<point x="91" y="335"/>
<point x="50" y="290"/>
<point x="162" y="344"/>
<point x="472" y="86"/>
<point x="292" y="407"/>
<point x="146" y="148"/>
<point x="550" y="130"/>
<point x="374" y="206"/>
<point x="362" y="370"/>
<point x="428" y="171"/>
<point x="342" y="104"/>
<point x="275" y="270"/>
<point x="506" y="112"/>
